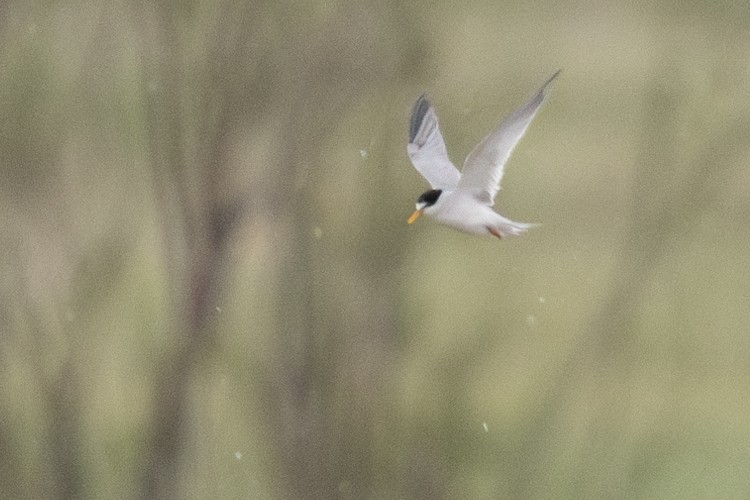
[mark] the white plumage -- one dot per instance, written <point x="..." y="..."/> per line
<point x="464" y="200"/>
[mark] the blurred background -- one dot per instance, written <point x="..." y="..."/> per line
<point x="208" y="288"/>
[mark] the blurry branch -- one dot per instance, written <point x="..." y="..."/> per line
<point x="63" y="397"/>
<point x="325" y="392"/>
<point x="40" y="336"/>
<point x="35" y="289"/>
<point x="319" y="402"/>
<point x="196" y="224"/>
<point x="669" y="196"/>
<point x="314" y="450"/>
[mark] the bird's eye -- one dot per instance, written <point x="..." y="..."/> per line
<point x="430" y="197"/>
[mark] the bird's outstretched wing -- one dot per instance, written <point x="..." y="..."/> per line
<point x="483" y="168"/>
<point x="427" y="150"/>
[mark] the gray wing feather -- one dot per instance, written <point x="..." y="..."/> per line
<point x="426" y="147"/>
<point x="484" y="167"/>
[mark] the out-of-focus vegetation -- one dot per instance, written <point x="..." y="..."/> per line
<point x="208" y="289"/>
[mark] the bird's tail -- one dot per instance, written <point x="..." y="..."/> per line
<point x="508" y="227"/>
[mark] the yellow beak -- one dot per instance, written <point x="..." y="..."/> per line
<point x="414" y="216"/>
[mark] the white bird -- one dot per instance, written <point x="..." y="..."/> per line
<point x="464" y="200"/>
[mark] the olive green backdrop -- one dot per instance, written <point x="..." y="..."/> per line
<point x="208" y="288"/>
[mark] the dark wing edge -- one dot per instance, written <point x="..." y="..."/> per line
<point x="536" y="102"/>
<point x="549" y="80"/>
<point x="421" y="107"/>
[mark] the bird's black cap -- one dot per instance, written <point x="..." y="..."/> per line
<point x="430" y="197"/>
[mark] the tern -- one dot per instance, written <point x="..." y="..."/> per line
<point x="464" y="200"/>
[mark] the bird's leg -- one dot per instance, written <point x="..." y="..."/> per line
<point x="495" y="232"/>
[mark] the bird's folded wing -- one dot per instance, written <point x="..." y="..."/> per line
<point x="483" y="168"/>
<point x="427" y="150"/>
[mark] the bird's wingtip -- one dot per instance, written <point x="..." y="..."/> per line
<point x="417" y="116"/>
<point x="550" y="79"/>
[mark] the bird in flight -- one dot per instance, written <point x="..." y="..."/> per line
<point x="464" y="200"/>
